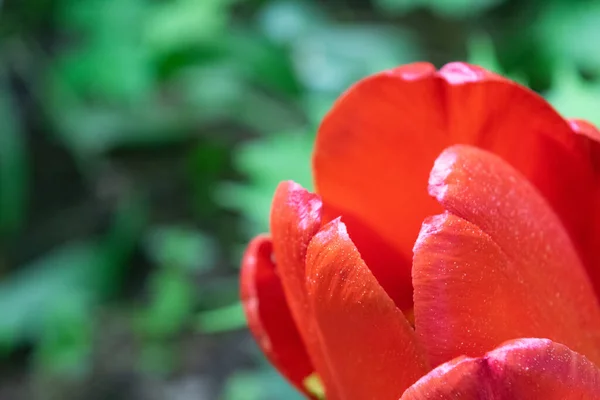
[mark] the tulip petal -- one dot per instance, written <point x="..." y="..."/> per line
<point x="383" y="259"/>
<point x="586" y="129"/>
<point x="368" y="342"/>
<point x="375" y="148"/>
<point x="295" y="219"/>
<point x="268" y="314"/>
<point x="498" y="266"/>
<point x="521" y="369"/>
<point x="590" y="239"/>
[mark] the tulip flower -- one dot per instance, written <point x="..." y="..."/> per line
<point x="451" y="250"/>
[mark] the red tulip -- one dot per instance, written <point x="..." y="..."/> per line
<point x="455" y="226"/>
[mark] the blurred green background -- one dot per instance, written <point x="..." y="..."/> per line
<point x="140" y="144"/>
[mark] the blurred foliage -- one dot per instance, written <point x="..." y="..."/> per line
<point x="142" y="141"/>
<point x="13" y="162"/>
<point x="448" y="9"/>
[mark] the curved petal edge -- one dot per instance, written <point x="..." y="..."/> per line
<point x="369" y="345"/>
<point x="498" y="265"/>
<point x="520" y="369"/>
<point x="268" y="314"/>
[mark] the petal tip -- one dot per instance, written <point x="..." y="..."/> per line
<point x="585" y="128"/>
<point x="456" y="73"/>
<point x="431" y="225"/>
<point x="411" y="72"/>
<point x="442" y="168"/>
<point x="289" y="186"/>
<point x="334" y="229"/>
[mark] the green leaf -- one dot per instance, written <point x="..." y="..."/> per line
<point x="70" y="279"/>
<point x="118" y="244"/>
<point x="66" y="340"/>
<point x="571" y="32"/>
<point x="45" y="288"/>
<point x="228" y="90"/>
<point x="261" y="62"/>
<point x="329" y="56"/>
<point x="180" y="247"/>
<point x="286" y="21"/>
<point x="444" y="8"/>
<point x="573" y="97"/>
<point x="222" y="319"/>
<point x="14" y="169"/>
<point x="267" y="162"/>
<point x="481" y="52"/>
<point x="183" y="23"/>
<point x="332" y="58"/>
<point x="90" y="131"/>
<point x="128" y="80"/>
<point x="112" y="31"/>
<point x="101" y="19"/>
<point x="171" y="304"/>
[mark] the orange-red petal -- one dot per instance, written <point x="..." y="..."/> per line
<point x="383" y="258"/>
<point x="295" y="219"/>
<point x="268" y="314"/>
<point x="588" y="130"/>
<point x="375" y="148"/>
<point x="521" y="369"/>
<point x="590" y="240"/>
<point x="370" y="346"/>
<point x="499" y="265"/>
